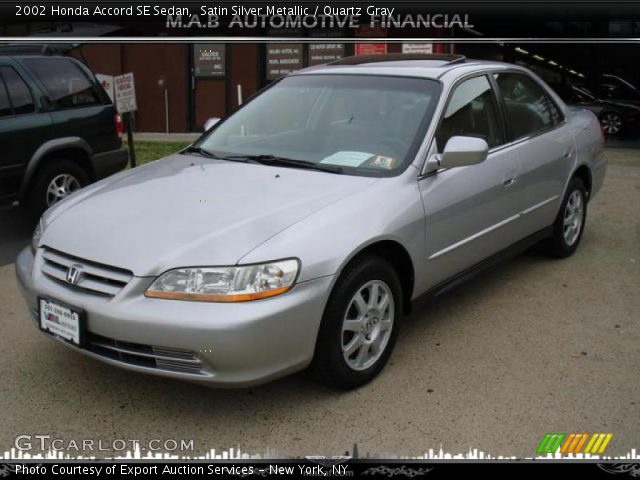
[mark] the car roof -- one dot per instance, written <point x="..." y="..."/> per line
<point x="434" y="66"/>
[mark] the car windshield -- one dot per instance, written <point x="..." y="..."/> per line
<point x="357" y="124"/>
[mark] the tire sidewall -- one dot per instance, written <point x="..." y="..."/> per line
<point x="329" y="356"/>
<point x="42" y="179"/>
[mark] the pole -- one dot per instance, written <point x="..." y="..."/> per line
<point x="132" y="150"/>
<point x="166" y="109"/>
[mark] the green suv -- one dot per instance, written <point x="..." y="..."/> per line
<point x="59" y="130"/>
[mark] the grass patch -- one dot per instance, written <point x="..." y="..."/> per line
<point x="148" y="151"/>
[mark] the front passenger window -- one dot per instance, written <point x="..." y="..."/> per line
<point x="471" y="111"/>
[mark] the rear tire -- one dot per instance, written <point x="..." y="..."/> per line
<point x="360" y="324"/>
<point x="54" y="181"/>
<point x="570" y="222"/>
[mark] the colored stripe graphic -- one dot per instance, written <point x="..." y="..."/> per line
<point x="598" y="443"/>
<point x="550" y="443"/>
<point x="574" y="442"/>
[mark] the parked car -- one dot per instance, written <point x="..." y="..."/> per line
<point x="616" y="116"/>
<point x="58" y="128"/>
<point x="298" y="233"/>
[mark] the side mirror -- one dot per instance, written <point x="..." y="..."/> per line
<point x="462" y="151"/>
<point x="210" y="123"/>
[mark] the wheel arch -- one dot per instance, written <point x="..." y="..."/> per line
<point x="71" y="148"/>
<point x="583" y="172"/>
<point x="398" y="256"/>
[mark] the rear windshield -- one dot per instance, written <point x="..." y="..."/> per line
<point x="64" y="82"/>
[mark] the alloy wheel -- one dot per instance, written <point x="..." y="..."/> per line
<point x="61" y="186"/>
<point x="367" y="325"/>
<point x="573" y="217"/>
<point x="611" y="123"/>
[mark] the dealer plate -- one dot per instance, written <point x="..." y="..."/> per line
<point x="62" y="321"/>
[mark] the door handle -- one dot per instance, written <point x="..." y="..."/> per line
<point x="509" y="181"/>
<point x="567" y="154"/>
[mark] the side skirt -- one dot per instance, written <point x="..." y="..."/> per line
<point x="490" y="262"/>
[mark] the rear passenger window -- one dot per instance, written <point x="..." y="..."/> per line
<point x="19" y="93"/>
<point x="471" y="111"/>
<point x="556" y="115"/>
<point x="5" y="106"/>
<point x="526" y="103"/>
<point x="65" y="83"/>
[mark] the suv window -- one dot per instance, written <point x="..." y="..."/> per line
<point x="65" y="83"/>
<point x="19" y="93"/>
<point x="471" y="111"/>
<point x="5" y="106"/>
<point x="526" y="103"/>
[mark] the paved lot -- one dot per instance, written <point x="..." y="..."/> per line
<point x="536" y="345"/>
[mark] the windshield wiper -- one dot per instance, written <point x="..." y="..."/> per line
<point x="200" y="151"/>
<point x="285" y="162"/>
<point x="209" y="154"/>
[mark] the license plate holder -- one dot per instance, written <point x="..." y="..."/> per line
<point x="62" y="321"/>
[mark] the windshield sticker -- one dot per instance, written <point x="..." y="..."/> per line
<point x="359" y="159"/>
<point x="381" y="161"/>
<point x="347" y="159"/>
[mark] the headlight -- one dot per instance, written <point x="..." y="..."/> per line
<point x="37" y="235"/>
<point x="226" y="284"/>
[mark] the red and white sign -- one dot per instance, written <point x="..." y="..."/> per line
<point x="106" y="81"/>
<point x="370" y="48"/>
<point x="125" y="92"/>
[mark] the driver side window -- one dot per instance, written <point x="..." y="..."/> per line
<point x="472" y="112"/>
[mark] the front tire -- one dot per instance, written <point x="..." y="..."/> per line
<point x="570" y="222"/>
<point x="55" y="181"/>
<point x="360" y="324"/>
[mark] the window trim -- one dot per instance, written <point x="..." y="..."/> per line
<point x="553" y="126"/>
<point x="26" y="84"/>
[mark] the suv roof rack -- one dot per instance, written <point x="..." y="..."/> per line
<point x="445" y="58"/>
<point x="36" y="49"/>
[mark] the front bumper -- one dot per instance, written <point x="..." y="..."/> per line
<point x="237" y="344"/>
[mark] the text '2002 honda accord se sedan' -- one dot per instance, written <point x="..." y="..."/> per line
<point x="298" y="230"/>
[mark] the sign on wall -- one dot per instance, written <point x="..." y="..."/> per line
<point x="209" y="60"/>
<point x="417" y="48"/>
<point x="125" y="93"/>
<point x="283" y="59"/>
<point x="370" y="48"/>
<point x="320" y="53"/>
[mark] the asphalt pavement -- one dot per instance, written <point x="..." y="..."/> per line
<point x="536" y="345"/>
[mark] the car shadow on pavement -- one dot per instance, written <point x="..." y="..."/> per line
<point x="16" y="227"/>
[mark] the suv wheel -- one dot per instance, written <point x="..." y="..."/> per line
<point x="569" y="224"/>
<point x="54" y="182"/>
<point x="360" y="324"/>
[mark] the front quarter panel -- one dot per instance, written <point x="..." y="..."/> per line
<point x="389" y="209"/>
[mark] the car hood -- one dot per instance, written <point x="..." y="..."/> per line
<point x="188" y="211"/>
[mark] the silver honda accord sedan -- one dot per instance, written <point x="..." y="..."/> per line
<point x="297" y="231"/>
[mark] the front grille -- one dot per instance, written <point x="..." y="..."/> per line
<point x="95" y="278"/>
<point x="161" y="358"/>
